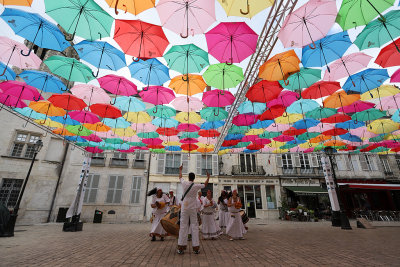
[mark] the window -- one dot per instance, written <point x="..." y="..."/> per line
<point x="206" y="164"/>
<point x="304" y="163"/>
<point x="98" y="159"/>
<point x="172" y="163"/>
<point x="114" y="193"/>
<point x="287" y="161"/>
<point x="136" y="185"/>
<point x="386" y="165"/>
<point x="368" y="163"/>
<point x="24" y="145"/>
<point x="9" y="191"/>
<point x="320" y="169"/>
<point x="92" y="185"/>
<point x="139" y="160"/>
<point x="119" y="159"/>
<point x="247" y="163"/>
<point x="271" y="198"/>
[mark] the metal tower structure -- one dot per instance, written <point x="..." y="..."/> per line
<point x="266" y="43"/>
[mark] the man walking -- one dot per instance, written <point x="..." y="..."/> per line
<point x="189" y="212"/>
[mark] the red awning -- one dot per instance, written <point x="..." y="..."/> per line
<point x="372" y="186"/>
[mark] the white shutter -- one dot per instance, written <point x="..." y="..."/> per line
<point x="185" y="163"/>
<point x="160" y="163"/>
<point x="296" y="160"/>
<point x="198" y="164"/>
<point x="363" y="162"/>
<point x="279" y="161"/>
<point x="374" y="162"/>
<point x="354" y="162"/>
<point x="348" y="162"/>
<point x="341" y="166"/>
<point x="215" y="165"/>
<point x="313" y="160"/>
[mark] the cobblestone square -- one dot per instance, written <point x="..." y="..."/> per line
<point x="267" y="244"/>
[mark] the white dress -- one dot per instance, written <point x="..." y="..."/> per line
<point x="235" y="227"/>
<point x="223" y="215"/>
<point x="156" y="227"/>
<point x="209" y="227"/>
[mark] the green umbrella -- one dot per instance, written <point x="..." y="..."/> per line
<point x="106" y="147"/>
<point x="157" y="151"/>
<point x="353" y="13"/>
<point x="81" y="17"/>
<point x="288" y="146"/>
<point x="189" y="135"/>
<point x="140" y="144"/>
<point x="321" y="113"/>
<point x="213" y="114"/>
<point x="306" y="136"/>
<point x="78" y="130"/>
<point x="377" y="138"/>
<point x="161" y="111"/>
<point x="380" y="31"/>
<point x="319" y="147"/>
<point x="187" y="58"/>
<point x="148" y="135"/>
<point x="238" y="129"/>
<point x="302" y="79"/>
<point x="242" y="144"/>
<point x="267" y="135"/>
<point x="379" y="149"/>
<point x="368" y="115"/>
<point x="115" y="141"/>
<point x="70" y="69"/>
<point x="83" y="144"/>
<point x="223" y="76"/>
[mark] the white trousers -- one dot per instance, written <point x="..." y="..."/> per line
<point x="184" y="228"/>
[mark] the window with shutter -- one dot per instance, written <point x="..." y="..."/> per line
<point x="296" y="160"/>
<point x="92" y="186"/>
<point x="185" y="163"/>
<point x="136" y="186"/>
<point x="206" y="164"/>
<point x="314" y="160"/>
<point x="355" y="159"/>
<point x="364" y="162"/>
<point x="198" y="164"/>
<point x="172" y="163"/>
<point x="160" y="163"/>
<point x="279" y="161"/>
<point x="115" y="187"/>
<point x="373" y="162"/>
<point x="215" y="166"/>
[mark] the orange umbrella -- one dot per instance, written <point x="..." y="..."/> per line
<point x="97" y="127"/>
<point x="280" y="66"/>
<point x="340" y="99"/>
<point x="46" y="107"/>
<point x="205" y="149"/>
<point x="335" y="143"/>
<point x="132" y="6"/>
<point x="320" y="138"/>
<point x="16" y="2"/>
<point x="63" y="131"/>
<point x="189" y="84"/>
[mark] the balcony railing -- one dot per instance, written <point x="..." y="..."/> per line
<point x="98" y="162"/>
<point x="139" y="164"/>
<point x="306" y="171"/>
<point x="388" y="173"/>
<point x="115" y="162"/>
<point x="303" y="171"/>
<point x="288" y="171"/>
<point x="257" y="170"/>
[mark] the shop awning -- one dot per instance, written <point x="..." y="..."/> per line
<point x="371" y="186"/>
<point x="307" y="190"/>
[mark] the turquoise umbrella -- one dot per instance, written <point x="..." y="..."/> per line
<point x="302" y="79"/>
<point x="250" y="107"/>
<point x="187" y="58"/>
<point x="161" y="111"/>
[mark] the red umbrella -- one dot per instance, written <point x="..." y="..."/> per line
<point x="156" y="146"/>
<point x="389" y="57"/>
<point x="336" y="118"/>
<point x="209" y="133"/>
<point x="20" y="90"/>
<point x="262" y="141"/>
<point x="106" y="111"/>
<point x="264" y="91"/>
<point x="255" y="146"/>
<point x="167" y="131"/>
<point x="335" y="132"/>
<point x="157" y="95"/>
<point x="293" y="131"/>
<point x="140" y="39"/>
<point x="189" y="147"/>
<point x="272" y="113"/>
<point x="245" y="119"/>
<point x="186" y="127"/>
<point x="67" y="101"/>
<point x="227" y="143"/>
<point x="218" y="98"/>
<point x="320" y="89"/>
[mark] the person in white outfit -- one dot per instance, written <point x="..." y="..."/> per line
<point x="159" y="204"/>
<point x="209" y="227"/>
<point x="235" y="228"/>
<point x="223" y="213"/>
<point x="189" y="212"/>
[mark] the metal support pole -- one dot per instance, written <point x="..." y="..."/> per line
<point x="147" y="186"/>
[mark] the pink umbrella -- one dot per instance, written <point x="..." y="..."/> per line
<point x="218" y="98"/>
<point x="283" y="138"/>
<point x="208" y="140"/>
<point x="357" y="106"/>
<point x="94" y="150"/>
<point x="84" y="116"/>
<point x="189" y="141"/>
<point x="169" y="138"/>
<point x="20" y="90"/>
<point x="277" y="127"/>
<point x="231" y="42"/>
<point x="347" y="66"/>
<point x="237" y="150"/>
<point x="93" y="138"/>
<point x="186" y="127"/>
<point x="11" y="101"/>
<point x="297" y="149"/>
<point x="285" y="98"/>
<point x="309" y="23"/>
<point x="262" y="141"/>
<point x="321" y="127"/>
<point x="186" y="17"/>
<point x="249" y="138"/>
<point x="389" y="102"/>
<point x="152" y="141"/>
<point x="106" y="134"/>
<point x="143" y="127"/>
<point x="245" y="119"/>
<point x="157" y="95"/>
<point x="362" y="132"/>
<point x="90" y="94"/>
<point x="11" y="54"/>
<point x="309" y="150"/>
<point x="118" y="85"/>
<point x="395" y="77"/>
<point x="181" y="104"/>
<point x="267" y="149"/>
<point x="134" y="138"/>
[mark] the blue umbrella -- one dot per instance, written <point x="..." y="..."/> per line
<point x="36" y="29"/>
<point x="250" y="107"/>
<point x="212" y="125"/>
<point x="65" y="121"/>
<point x="77" y="139"/>
<point x="150" y="72"/>
<point x="166" y="123"/>
<point x="327" y="50"/>
<point x="234" y="136"/>
<point x="350" y="137"/>
<point x="350" y="124"/>
<point x="116" y="123"/>
<point x="9" y="74"/>
<point x="261" y="124"/>
<point x="302" y="106"/>
<point x="366" y="80"/>
<point x="30" y="113"/>
<point x="396" y="116"/>
<point x="249" y="151"/>
<point x="101" y="54"/>
<point x="43" y="81"/>
<point x="129" y="104"/>
<point x="305" y="123"/>
<point x="173" y="148"/>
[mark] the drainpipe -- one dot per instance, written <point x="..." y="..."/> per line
<point x="58" y="181"/>
<point x="147" y="187"/>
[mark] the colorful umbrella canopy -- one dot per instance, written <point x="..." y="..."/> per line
<point x="117" y="85"/>
<point x="187" y="58"/>
<point x="189" y="84"/>
<point x="8" y="74"/>
<point x="264" y="91"/>
<point x="383" y="126"/>
<point x="248" y="10"/>
<point x="218" y="98"/>
<point x="139" y="117"/>
<point x="129" y="103"/>
<point x="213" y="114"/>
<point x="135" y="7"/>
<point x="250" y="107"/>
<point x="106" y="111"/>
<point x="223" y="76"/>
<point x="161" y="111"/>
<point x="320" y="89"/>
<point x="20" y="90"/>
<point x="150" y="71"/>
<point x="67" y="101"/>
<point x="280" y="66"/>
<point x="90" y="94"/>
<point x="43" y="81"/>
<point x="302" y="79"/>
<point x="340" y="99"/>
<point x="347" y="65"/>
<point x="365" y="80"/>
<point x="157" y="95"/>
<point x="181" y="103"/>
<point x="16" y="2"/>
<point x="389" y="57"/>
<point x="84" y="116"/>
<point x="395" y="77"/>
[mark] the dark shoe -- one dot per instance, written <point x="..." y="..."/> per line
<point x="180" y="252"/>
<point x="162" y="238"/>
<point x="196" y="251"/>
<point x="153" y="238"/>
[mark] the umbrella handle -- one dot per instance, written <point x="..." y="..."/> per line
<point x="229" y="63"/>
<point x="66" y="89"/>
<point x="312" y="45"/>
<point x="286" y="82"/>
<point x="115" y="8"/>
<point x="70" y="39"/>
<point x="245" y="12"/>
<point x="4" y="71"/>
<point x="26" y="55"/>
<point x="187" y="78"/>
<point x="217" y="113"/>
<point x="36" y="99"/>
<point x="135" y="59"/>
<point x="80" y="128"/>
<point x="185" y="36"/>
<point x="113" y="101"/>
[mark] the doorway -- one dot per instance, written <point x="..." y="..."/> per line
<point x="250" y="205"/>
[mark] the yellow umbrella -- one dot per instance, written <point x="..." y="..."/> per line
<point x="223" y="152"/>
<point x="383" y="126"/>
<point x="16" y="2"/>
<point x="97" y="127"/>
<point x="289" y="118"/>
<point x="255" y="132"/>
<point x="194" y="84"/>
<point x="308" y="145"/>
<point x="49" y="123"/>
<point x="171" y="143"/>
<point x="386" y="152"/>
<point x="128" y="132"/>
<point x="276" y="144"/>
<point x="137" y="117"/>
<point x="381" y="91"/>
<point x="280" y="151"/>
<point x="246" y="9"/>
<point x="132" y="6"/>
<point x="188" y="117"/>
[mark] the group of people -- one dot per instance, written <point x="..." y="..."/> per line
<point x="193" y="203"/>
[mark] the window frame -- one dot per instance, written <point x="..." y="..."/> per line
<point x="26" y="145"/>
<point x="10" y="192"/>
<point x="208" y="159"/>
<point x="114" y="189"/>
<point x="136" y="191"/>
<point x="89" y="188"/>
<point x="172" y="169"/>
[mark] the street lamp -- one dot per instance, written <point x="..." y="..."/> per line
<point x="339" y="218"/>
<point x="36" y="148"/>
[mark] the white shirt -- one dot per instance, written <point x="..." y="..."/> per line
<point x="190" y="201"/>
